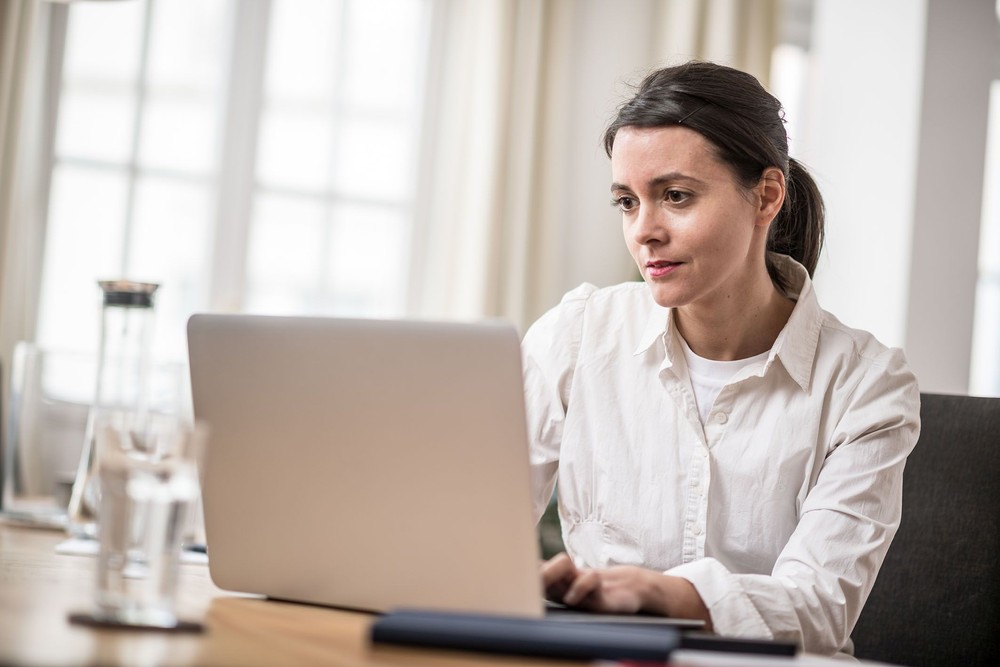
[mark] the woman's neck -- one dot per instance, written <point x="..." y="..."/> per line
<point x="739" y="325"/>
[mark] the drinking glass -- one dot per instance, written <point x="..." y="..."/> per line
<point x="148" y="471"/>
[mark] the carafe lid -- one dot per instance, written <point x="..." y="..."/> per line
<point x="128" y="293"/>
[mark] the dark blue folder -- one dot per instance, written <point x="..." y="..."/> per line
<point x="543" y="637"/>
<point x="557" y="638"/>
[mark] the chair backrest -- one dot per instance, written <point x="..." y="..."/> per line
<point x="937" y="598"/>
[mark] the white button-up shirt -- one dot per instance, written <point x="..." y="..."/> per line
<point x="779" y="509"/>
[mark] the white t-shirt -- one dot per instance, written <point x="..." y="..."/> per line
<point x="779" y="508"/>
<point x="709" y="376"/>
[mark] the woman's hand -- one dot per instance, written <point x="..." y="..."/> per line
<point x="622" y="589"/>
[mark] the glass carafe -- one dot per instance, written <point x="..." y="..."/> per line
<point x="122" y="385"/>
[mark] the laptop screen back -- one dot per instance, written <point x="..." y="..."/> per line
<point x="366" y="464"/>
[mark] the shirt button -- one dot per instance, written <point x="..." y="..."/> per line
<point x="696" y="529"/>
<point x="721" y="417"/>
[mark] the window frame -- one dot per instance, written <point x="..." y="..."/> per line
<point x="233" y="183"/>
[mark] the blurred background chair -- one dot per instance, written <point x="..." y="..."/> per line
<point x="937" y="598"/>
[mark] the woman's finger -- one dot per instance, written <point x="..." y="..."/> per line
<point x="558" y="568"/>
<point x="586" y="583"/>
<point x="558" y="574"/>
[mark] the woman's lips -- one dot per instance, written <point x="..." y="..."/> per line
<point x="658" y="269"/>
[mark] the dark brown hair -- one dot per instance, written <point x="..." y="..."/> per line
<point x="745" y="123"/>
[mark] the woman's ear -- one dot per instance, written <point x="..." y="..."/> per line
<point x="770" y="192"/>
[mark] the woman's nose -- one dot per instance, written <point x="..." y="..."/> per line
<point x="650" y="225"/>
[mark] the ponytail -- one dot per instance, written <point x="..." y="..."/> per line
<point x="798" y="229"/>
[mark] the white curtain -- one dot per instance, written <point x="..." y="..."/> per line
<point x="473" y="234"/>
<point x="18" y="20"/>
<point x="738" y="33"/>
<point x="24" y="165"/>
<point x="497" y="235"/>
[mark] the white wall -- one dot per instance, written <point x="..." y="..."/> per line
<point x="859" y="141"/>
<point x="961" y="59"/>
<point x="896" y="136"/>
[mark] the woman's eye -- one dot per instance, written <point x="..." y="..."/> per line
<point x="676" y="196"/>
<point x="624" y="203"/>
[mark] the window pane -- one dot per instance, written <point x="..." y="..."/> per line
<point x="789" y="76"/>
<point x="347" y="133"/>
<point x="374" y="160"/>
<point x="295" y="151"/>
<point x="86" y="217"/>
<point x="376" y="77"/>
<point x="284" y="261"/>
<point x="186" y="49"/>
<point x="985" y="370"/>
<point x="985" y="375"/>
<point x="95" y="125"/>
<point x="184" y="95"/>
<point x="178" y="134"/>
<point x="989" y="238"/>
<point x="302" y="54"/>
<point x="103" y="41"/>
<point x="301" y="261"/>
<point x="336" y="130"/>
<point x="367" y="262"/>
<point x="170" y="245"/>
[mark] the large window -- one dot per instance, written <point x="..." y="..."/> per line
<point x="248" y="155"/>
<point x="260" y="156"/>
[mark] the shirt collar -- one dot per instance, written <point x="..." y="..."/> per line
<point x="657" y="323"/>
<point x="796" y="344"/>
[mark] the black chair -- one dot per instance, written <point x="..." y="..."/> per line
<point x="937" y="598"/>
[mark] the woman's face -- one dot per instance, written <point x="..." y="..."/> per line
<point x="695" y="234"/>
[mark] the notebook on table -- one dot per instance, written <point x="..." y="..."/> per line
<point x="367" y="464"/>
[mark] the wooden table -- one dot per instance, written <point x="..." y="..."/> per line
<point x="39" y="588"/>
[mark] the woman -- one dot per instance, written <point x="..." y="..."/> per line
<point x="724" y="448"/>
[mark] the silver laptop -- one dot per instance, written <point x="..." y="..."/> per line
<point x="370" y="465"/>
<point x="366" y="464"/>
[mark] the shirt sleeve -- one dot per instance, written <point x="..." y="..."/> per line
<point x="549" y="351"/>
<point x="825" y="572"/>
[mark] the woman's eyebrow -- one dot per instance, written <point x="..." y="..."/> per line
<point x="673" y="177"/>
<point x="659" y="181"/>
